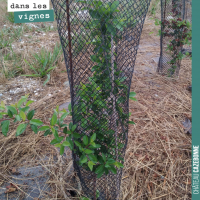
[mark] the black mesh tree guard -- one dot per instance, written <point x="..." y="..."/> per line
<point x="170" y="9"/>
<point x="100" y="52"/>
<point x="188" y="17"/>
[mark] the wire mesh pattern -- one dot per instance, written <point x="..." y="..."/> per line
<point x="188" y="17"/>
<point x="188" y="10"/>
<point x="100" y="64"/>
<point x="170" y="9"/>
<point x="154" y="8"/>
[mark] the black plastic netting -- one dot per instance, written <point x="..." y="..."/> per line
<point x="170" y="9"/>
<point x="188" y="17"/>
<point x="100" y="40"/>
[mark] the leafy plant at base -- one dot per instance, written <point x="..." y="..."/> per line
<point x="20" y="113"/>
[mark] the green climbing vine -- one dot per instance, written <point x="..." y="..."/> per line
<point x="98" y="145"/>
<point x="180" y="31"/>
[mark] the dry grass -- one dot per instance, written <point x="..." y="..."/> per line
<point x="23" y="40"/>
<point x="158" y="156"/>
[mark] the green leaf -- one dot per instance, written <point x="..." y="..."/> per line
<point x="84" y="198"/>
<point x="47" y="80"/>
<point x="131" y="122"/>
<point x="94" y="58"/>
<point x="54" y="141"/>
<point x="100" y="160"/>
<point x="10" y="114"/>
<point x="26" y="96"/>
<point x="69" y="132"/>
<point x="106" y="171"/>
<point x="103" y="156"/>
<point x="120" y="158"/>
<point x="60" y="139"/>
<point x="25" y="109"/>
<point x="66" y="143"/>
<point x="2" y="108"/>
<point x="130" y="114"/>
<point x="17" y="118"/>
<point x="78" y="144"/>
<point x="30" y="114"/>
<point x="71" y="143"/>
<point x="3" y="105"/>
<point x="12" y="109"/>
<point x="44" y="128"/>
<point x="83" y="122"/>
<point x="50" y="69"/>
<point x="111" y="29"/>
<point x="20" y="129"/>
<point x="34" y="128"/>
<point x="132" y="94"/>
<point x="62" y="148"/>
<point x="132" y="98"/>
<point x="114" y="6"/>
<point x="36" y="122"/>
<point x="118" y="164"/>
<point x="21" y="101"/>
<point x="83" y="159"/>
<point x="58" y="145"/>
<point x="64" y="116"/>
<point x="53" y="119"/>
<point x="107" y="165"/>
<point x="31" y="75"/>
<point x="92" y="158"/>
<point x="1" y="116"/>
<point x="47" y="132"/>
<point x="3" y="113"/>
<point x="69" y="107"/>
<point x="121" y="100"/>
<point x="98" y="88"/>
<point x="94" y="14"/>
<point x="93" y="137"/>
<point x="70" y="125"/>
<point x="5" y="127"/>
<point x="65" y="130"/>
<point x="85" y="140"/>
<point x="73" y="127"/>
<point x="90" y="165"/>
<point x="93" y="144"/>
<point x="97" y="193"/>
<point x="110" y="161"/>
<point x="99" y="175"/>
<point x="55" y="133"/>
<point x="99" y="169"/>
<point x="88" y="151"/>
<point x="63" y="111"/>
<point x="22" y="115"/>
<point x="63" y="125"/>
<point x="29" y="102"/>
<point x="76" y="135"/>
<point x="95" y="147"/>
<point x="112" y="169"/>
